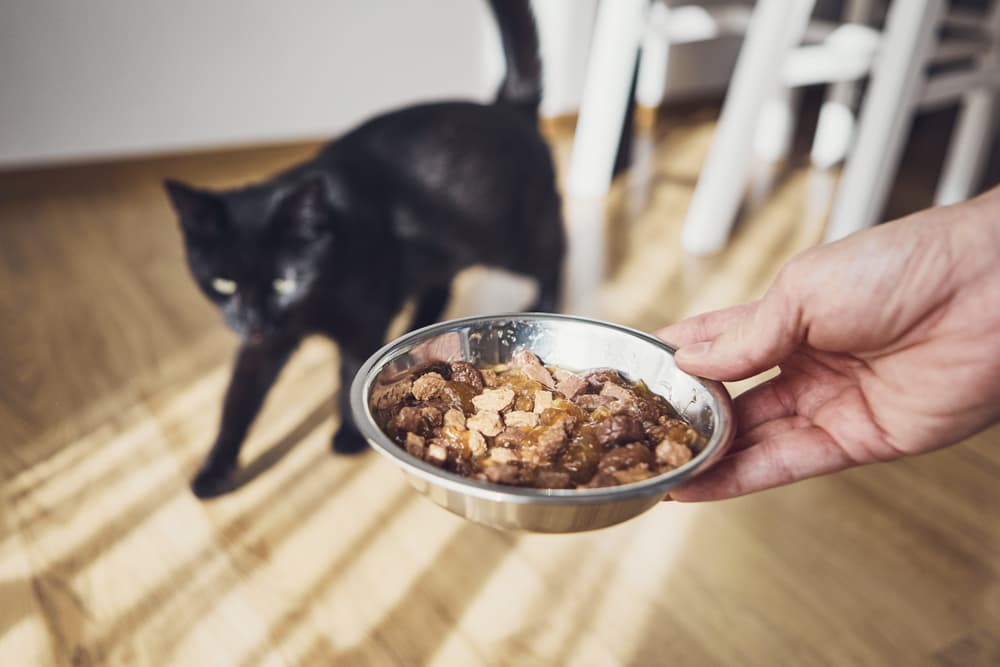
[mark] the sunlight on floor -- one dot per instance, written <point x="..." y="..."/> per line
<point x="565" y="591"/>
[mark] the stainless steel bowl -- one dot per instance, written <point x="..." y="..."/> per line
<point x="560" y="340"/>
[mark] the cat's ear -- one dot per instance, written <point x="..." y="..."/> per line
<point x="199" y="212"/>
<point x="307" y="211"/>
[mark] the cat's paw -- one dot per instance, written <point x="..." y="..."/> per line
<point x="212" y="481"/>
<point x="348" y="441"/>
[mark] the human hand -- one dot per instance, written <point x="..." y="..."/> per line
<point x="888" y="344"/>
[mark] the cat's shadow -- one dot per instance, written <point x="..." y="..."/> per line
<point x="277" y="451"/>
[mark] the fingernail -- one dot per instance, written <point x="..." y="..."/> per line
<point x="695" y="350"/>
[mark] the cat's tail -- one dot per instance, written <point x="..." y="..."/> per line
<point x="522" y="84"/>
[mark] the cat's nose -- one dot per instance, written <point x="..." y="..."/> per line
<point x="254" y="333"/>
<point x="254" y="323"/>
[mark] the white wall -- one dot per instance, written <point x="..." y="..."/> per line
<point x="96" y="78"/>
<point x="566" y="27"/>
<point x="86" y="79"/>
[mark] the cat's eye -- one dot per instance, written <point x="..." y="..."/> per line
<point x="224" y="286"/>
<point x="284" y="286"/>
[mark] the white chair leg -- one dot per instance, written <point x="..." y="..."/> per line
<point x="564" y="30"/>
<point x="584" y="268"/>
<point x="775" y="26"/>
<point x="653" y="59"/>
<point x="836" y="124"/>
<point x="617" y="34"/>
<point x="966" y="160"/>
<point x="886" y="115"/>
<point x="973" y="134"/>
<point x="835" y="129"/>
<point x="776" y="127"/>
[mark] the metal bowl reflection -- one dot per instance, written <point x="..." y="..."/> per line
<point x="564" y="341"/>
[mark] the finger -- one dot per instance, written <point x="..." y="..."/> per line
<point x="763" y="403"/>
<point x="706" y="326"/>
<point x="787" y="457"/>
<point x="758" y="339"/>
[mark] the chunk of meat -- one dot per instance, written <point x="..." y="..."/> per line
<point x="515" y="438"/>
<point x="454" y="418"/>
<point x="539" y="374"/>
<point x="672" y="453"/>
<point x="552" y="479"/>
<point x="463" y="371"/>
<point x="603" y="412"/>
<point x="487" y="422"/>
<point x="636" y="473"/>
<point x="617" y="430"/>
<point x="502" y="455"/>
<point x="386" y="397"/>
<point x="572" y="385"/>
<point x="617" y="392"/>
<point x="489" y="377"/>
<point x="601" y="479"/>
<point x="520" y="418"/>
<point x="494" y="400"/>
<point x="524" y="403"/>
<point x="457" y="395"/>
<point x="432" y="416"/>
<point x="673" y="429"/>
<point x="415" y="445"/>
<point x="408" y="419"/>
<point x="421" y="418"/>
<point x="476" y="443"/>
<point x="437" y="454"/>
<point x="593" y="401"/>
<point x="561" y="374"/>
<point x="550" y="441"/>
<point x="628" y="402"/>
<point x="504" y="473"/>
<point x="531" y="366"/>
<point x="428" y="386"/>
<point x="543" y="401"/>
<point x="458" y="448"/>
<point x="523" y="357"/>
<point x="626" y="456"/>
<point x="599" y="376"/>
<point x="463" y="445"/>
<point x="644" y="409"/>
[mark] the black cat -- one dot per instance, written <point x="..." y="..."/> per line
<point x="391" y="210"/>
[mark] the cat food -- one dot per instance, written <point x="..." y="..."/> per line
<point x="525" y="424"/>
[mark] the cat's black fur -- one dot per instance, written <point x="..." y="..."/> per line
<point x="389" y="211"/>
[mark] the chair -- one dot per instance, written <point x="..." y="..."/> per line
<point x="621" y="28"/>
<point x="899" y="86"/>
<point x="783" y="50"/>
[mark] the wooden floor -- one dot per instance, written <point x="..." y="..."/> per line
<point x="111" y="372"/>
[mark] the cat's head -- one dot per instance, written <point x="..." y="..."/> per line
<point x="256" y="252"/>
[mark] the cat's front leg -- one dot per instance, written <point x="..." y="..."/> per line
<point x="347" y="439"/>
<point x="256" y="368"/>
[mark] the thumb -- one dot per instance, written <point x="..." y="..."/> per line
<point x="761" y="337"/>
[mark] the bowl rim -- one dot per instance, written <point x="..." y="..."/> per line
<point x="718" y="444"/>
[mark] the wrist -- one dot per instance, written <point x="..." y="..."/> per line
<point x="973" y="230"/>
